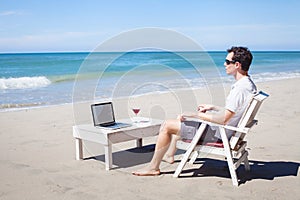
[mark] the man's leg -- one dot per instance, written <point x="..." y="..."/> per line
<point x="169" y="128"/>
<point x="169" y="156"/>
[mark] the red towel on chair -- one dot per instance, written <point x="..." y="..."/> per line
<point x="218" y="143"/>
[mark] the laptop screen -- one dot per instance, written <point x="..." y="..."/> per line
<point x="103" y="114"/>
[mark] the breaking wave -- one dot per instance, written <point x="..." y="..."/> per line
<point x="24" y="82"/>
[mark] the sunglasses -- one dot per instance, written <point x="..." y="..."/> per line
<point x="230" y="62"/>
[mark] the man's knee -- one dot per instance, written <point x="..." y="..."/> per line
<point x="169" y="126"/>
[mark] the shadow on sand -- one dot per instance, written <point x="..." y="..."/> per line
<point x="130" y="157"/>
<point x="267" y="170"/>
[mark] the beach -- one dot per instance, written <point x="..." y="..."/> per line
<point x="38" y="155"/>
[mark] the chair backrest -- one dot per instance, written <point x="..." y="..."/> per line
<point x="247" y="120"/>
<point x="251" y="110"/>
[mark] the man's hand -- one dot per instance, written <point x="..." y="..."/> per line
<point x="181" y="117"/>
<point x="205" y="107"/>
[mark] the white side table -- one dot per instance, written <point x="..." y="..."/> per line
<point x="108" y="137"/>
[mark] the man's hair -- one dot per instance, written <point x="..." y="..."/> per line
<point x="241" y="55"/>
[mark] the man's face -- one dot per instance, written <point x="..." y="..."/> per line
<point x="231" y="67"/>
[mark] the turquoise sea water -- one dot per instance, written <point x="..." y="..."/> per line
<point x="41" y="79"/>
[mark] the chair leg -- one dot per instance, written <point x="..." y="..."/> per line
<point x="194" y="157"/>
<point x="246" y="163"/>
<point x="229" y="157"/>
<point x="232" y="171"/>
<point x="182" y="163"/>
<point x="189" y="150"/>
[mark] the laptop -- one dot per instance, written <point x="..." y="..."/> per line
<point x="104" y="117"/>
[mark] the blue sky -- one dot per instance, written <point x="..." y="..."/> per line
<point x="81" y="25"/>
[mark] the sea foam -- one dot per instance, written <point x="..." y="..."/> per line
<point x="24" y="82"/>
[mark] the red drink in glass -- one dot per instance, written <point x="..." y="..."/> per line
<point x="136" y="110"/>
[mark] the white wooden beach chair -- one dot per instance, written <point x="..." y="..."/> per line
<point x="234" y="150"/>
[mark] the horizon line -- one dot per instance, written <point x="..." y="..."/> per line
<point x="145" y="51"/>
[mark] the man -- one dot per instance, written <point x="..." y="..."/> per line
<point x="237" y="63"/>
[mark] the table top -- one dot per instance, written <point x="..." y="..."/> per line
<point x="143" y="124"/>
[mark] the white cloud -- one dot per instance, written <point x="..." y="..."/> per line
<point x="238" y="27"/>
<point x="268" y="36"/>
<point x="10" y="12"/>
<point x="51" y="42"/>
<point x="255" y="36"/>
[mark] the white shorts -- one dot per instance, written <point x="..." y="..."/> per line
<point x="188" y="130"/>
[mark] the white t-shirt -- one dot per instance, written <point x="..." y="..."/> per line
<point x="237" y="101"/>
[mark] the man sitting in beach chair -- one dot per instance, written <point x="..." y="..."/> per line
<point x="237" y="63"/>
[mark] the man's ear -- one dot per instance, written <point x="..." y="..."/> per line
<point x="237" y="65"/>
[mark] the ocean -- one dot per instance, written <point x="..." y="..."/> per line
<point x="42" y="79"/>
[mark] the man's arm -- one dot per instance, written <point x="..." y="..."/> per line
<point x="208" y="107"/>
<point x="220" y="117"/>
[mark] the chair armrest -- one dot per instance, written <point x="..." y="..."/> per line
<point x="242" y="130"/>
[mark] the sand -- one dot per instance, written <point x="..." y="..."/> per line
<point x="38" y="153"/>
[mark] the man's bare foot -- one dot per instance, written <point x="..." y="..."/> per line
<point x="146" y="172"/>
<point x="168" y="159"/>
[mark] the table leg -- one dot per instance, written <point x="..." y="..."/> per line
<point x="78" y="149"/>
<point x="139" y="142"/>
<point x="108" y="156"/>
